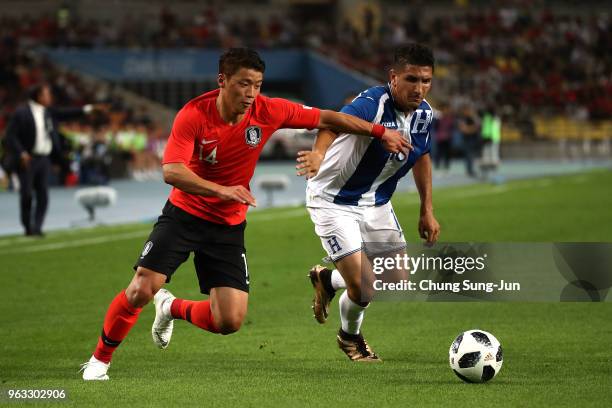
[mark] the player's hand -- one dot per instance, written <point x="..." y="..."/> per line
<point x="25" y="160"/>
<point x="429" y="229"/>
<point x="309" y="163"/>
<point x="394" y="142"/>
<point x="237" y="193"/>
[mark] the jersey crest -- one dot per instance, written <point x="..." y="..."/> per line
<point x="252" y="136"/>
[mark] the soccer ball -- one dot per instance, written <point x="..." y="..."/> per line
<point x="475" y="356"/>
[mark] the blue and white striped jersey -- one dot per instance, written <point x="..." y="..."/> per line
<point x="357" y="170"/>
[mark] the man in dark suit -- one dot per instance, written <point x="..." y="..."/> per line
<point x="32" y="141"/>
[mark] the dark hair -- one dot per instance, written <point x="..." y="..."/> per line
<point x="35" y="90"/>
<point x="414" y="54"/>
<point x="235" y="58"/>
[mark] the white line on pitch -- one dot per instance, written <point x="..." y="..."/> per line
<point x="74" y="233"/>
<point x="76" y="243"/>
<point x="293" y="213"/>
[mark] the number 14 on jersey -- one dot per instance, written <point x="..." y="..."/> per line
<point x="212" y="156"/>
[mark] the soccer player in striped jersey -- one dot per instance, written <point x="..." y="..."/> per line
<point x="352" y="179"/>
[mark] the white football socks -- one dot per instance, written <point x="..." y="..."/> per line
<point x="351" y="314"/>
<point x="337" y="281"/>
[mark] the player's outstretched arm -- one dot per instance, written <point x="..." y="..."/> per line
<point x="309" y="161"/>
<point x="429" y="229"/>
<point x="181" y="177"/>
<point x="392" y="140"/>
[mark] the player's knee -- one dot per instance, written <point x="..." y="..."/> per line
<point x="230" y="324"/>
<point x="141" y="290"/>
<point x="353" y="289"/>
<point x="138" y="295"/>
<point x="360" y="294"/>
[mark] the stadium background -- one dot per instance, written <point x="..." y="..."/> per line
<point x="545" y="68"/>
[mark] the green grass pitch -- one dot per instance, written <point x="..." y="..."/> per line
<point x="55" y="293"/>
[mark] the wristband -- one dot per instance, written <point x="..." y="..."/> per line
<point x="377" y="131"/>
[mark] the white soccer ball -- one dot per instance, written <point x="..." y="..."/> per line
<point x="475" y="356"/>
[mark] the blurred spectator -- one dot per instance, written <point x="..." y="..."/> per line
<point x="468" y="125"/>
<point x="491" y="138"/>
<point x="94" y="158"/>
<point x="444" y="127"/>
<point x="32" y="141"/>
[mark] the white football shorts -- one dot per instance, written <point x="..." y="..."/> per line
<point x="343" y="228"/>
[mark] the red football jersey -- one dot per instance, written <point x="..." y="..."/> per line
<point x="227" y="154"/>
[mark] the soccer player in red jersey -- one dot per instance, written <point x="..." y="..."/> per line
<point x="210" y="158"/>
